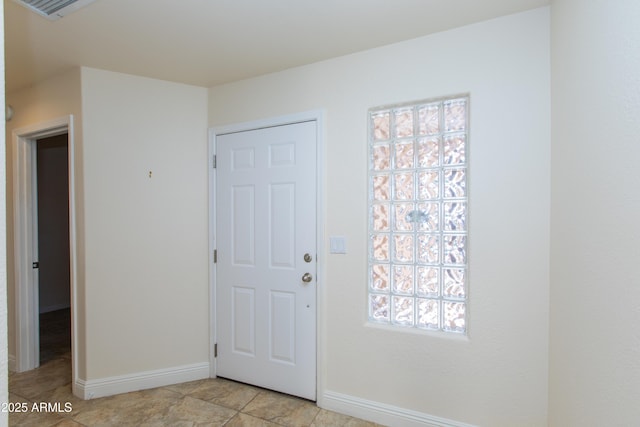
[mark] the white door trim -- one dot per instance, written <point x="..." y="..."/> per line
<point x="25" y="240"/>
<point x="318" y="117"/>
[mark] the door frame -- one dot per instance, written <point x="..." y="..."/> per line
<point x="25" y="239"/>
<point x="316" y="116"/>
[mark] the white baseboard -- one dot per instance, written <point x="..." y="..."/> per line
<point x="11" y="362"/>
<point x="382" y="413"/>
<point x="103" y="387"/>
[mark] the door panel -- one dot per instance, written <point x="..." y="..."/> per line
<point x="282" y="227"/>
<point x="282" y="327"/>
<point x="243" y="325"/>
<point x="243" y="223"/>
<point x="266" y="223"/>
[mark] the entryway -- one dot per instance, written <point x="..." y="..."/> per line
<point x="44" y="257"/>
<point x="54" y="298"/>
<point x="266" y="228"/>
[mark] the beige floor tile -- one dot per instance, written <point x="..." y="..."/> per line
<point x="26" y="416"/>
<point x="63" y="395"/>
<point x="68" y="423"/>
<point x="49" y="376"/>
<point x="333" y="419"/>
<point x="282" y="409"/>
<point x="191" y="412"/>
<point x="34" y="419"/>
<point x="244" y="420"/>
<point x="130" y="409"/>
<point x="219" y="391"/>
<point x="188" y="387"/>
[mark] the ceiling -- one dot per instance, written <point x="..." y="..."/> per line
<point x="210" y="42"/>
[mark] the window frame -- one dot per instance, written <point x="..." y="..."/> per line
<point x="419" y="217"/>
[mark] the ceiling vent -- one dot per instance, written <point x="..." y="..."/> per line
<point x="54" y="9"/>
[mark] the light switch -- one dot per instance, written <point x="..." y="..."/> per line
<point x="337" y="245"/>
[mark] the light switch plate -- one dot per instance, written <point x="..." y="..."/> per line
<point x="337" y="245"/>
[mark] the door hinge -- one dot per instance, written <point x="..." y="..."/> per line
<point x="215" y="256"/>
<point x="215" y="350"/>
<point x="214" y="162"/>
<point x="35" y="265"/>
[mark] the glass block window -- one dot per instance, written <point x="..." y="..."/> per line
<point x="418" y="215"/>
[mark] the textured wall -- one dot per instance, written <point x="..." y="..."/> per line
<point x="595" y="286"/>
<point x="4" y="395"/>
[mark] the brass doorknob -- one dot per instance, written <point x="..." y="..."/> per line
<point x="306" y="277"/>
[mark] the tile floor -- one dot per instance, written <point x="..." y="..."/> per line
<point x="209" y="402"/>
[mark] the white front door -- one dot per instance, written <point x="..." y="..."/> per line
<point x="266" y="263"/>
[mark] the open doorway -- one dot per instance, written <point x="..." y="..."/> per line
<point x="53" y="260"/>
<point x="26" y="305"/>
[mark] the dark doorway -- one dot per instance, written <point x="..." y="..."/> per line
<point x="53" y="247"/>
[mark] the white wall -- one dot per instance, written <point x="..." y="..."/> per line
<point x="498" y="375"/>
<point x="595" y="286"/>
<point x="146" y="239"/>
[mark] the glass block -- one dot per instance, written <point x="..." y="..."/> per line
<point x="455" y="250"/>
<point x="428" y="152"/>
<point x="430" y="218"/>
<point x="381" y="124"/>
<point x="455" y="216"/>
<point x="379" y="309"/>
<point x="455" y="183"/>
<point x="380" y="277"/>
<point x="402" y="310"/>
<point x="453" y="286"/>
<point x="403" y="186"/>
<point x="428" y="313"/>
<point x="454" y="150"/>
<point x="428" y="185"/>
<point x="418" y="217"/>
<point x="404" y="155"/>
<point x="404" y="123"/>
<point x="380" y="247"/>
<point x="380" y="216"/>
<point x="381" y="157"/>
<point x="403" y="279"/>
<point x="454" y="316"/>
<point x="428" y="249"/>
<point x="403" y="248"/>
<point x="455" y="115"/>
<point x="429" y="117"/>
<point x="401" y="217"/>
<point x="381" y="187"/>
<point x="427" y="281"/>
